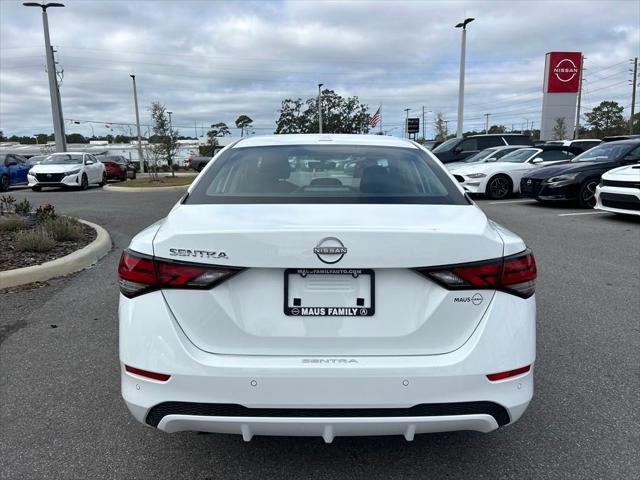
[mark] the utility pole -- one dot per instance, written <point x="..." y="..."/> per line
<point x="486" y="123"/>
<point x="463" y="47"/>
<point x="135" y="102"/>
<point x="634" y="82"/>
<point x="320" y="107"/>
<point x="423" y="125"/>
<point x="195" y="128"/>
<point x="56" y="109"/>
<point x="576" y="131"/>
<point x="406" y="123"/>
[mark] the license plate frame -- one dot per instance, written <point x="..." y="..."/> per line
<point x="329" y="311"/>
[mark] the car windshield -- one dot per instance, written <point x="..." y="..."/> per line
<point x="519" y="156"/>
<point x="326" y="174"/>
<point x="443" y="147"/>
<point x="478" y="157"/>
<point x="37" y="158"/>
<point x="606" y="152"/>
<point x="62" y="159"/>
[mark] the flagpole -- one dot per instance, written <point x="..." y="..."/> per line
<point x="380" y="108"/>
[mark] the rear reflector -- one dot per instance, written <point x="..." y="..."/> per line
<point x="141" y="274"/>
<point x="515" y="274"/>
<point x="162" y="377"/>
<point x="509" y="373"/>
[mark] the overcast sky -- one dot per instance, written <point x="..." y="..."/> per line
<point x="211" y="61"/>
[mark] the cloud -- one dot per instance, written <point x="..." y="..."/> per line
<point x="213" y="61"/>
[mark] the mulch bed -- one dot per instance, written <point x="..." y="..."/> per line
<point x="11" y="258"/>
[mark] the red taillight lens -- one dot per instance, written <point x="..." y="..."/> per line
<point x="140" y="274"/>
<point x="514" y="274"/>
<point x="162" y="377"/>
<point x="509" y="373"/>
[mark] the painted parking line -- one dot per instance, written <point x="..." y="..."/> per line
<point x="511" y="201"/>
<point x="579" y="213"/>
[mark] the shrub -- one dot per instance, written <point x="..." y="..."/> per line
<point x="11" y="223"/>
<point x="44" y="212"/>
<point x="63" y="228"/>
<point x="36" y="240"/>
<point x="23" y="207"/>
<point x="7" y="203"/>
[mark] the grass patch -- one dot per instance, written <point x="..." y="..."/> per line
<point x="35" y="240"/>
<point x="63" y="229"/>
<point x="11" y="223"/>
<point x="165" y="181"/>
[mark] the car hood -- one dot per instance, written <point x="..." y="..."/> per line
<point x="626" y="173"/>
<point x="55" y="168"/>
<point x="489" y="168"/>
<point x="569" y="167"/>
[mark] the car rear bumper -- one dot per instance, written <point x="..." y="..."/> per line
<point x="618" y="200"/>
<point x="327" y="396"/>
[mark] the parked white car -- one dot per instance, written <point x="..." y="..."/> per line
<point x="498" y="180"/>
<point x="275" y="299"/>
<point x="68" y="169"/>
<point x="492" y="154"/>
<point x="619" y="191"/>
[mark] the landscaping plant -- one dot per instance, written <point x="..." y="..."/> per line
<point x="34" y="240"/>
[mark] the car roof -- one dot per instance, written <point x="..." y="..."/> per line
<point x="323" y="139"/>
<point x="66" y="153"/>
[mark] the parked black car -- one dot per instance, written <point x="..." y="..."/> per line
<point x="457" y="149"/>
<point x="198" y="163"/>
<point x="577" y="180"/>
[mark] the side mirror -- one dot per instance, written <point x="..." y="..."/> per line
<point x="88" y="162"/>
<point x="492" y="159"/>
<point x="630" y="159"/>
<point x="537" y="160"/>
<point x="457" y="150"/>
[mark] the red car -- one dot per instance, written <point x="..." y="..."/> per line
<point x="118" y="168"/>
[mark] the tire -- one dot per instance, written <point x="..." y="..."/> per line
<point x="103" y="182"/>
<point x="133" y="177"/>
<point x="4" y="183"/>
<point x="36" y="189"/>
<point x="84" y="183"/>
<point x="499" y="187"/>
<point x="587" y="193"/>
<point x="200" y="167"/>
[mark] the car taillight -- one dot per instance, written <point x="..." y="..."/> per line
<point x="515" y="274"/>
<point x="141" y="274"/>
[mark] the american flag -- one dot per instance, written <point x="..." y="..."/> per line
<point x="373" y="120"/>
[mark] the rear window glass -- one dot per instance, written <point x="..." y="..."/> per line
<point x="325" y="174"/>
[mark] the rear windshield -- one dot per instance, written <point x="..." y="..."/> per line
<point x="607" y="152"/>
<point x="325" y="174"/>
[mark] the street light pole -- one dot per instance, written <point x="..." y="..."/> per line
<point x="486" y="123"/>
<point x="135" y="101"/>
<point x="56" y="109"/>
<point x="320" y="107"/>
<point x="462" y="25"/>
<point x="406" y="123"/>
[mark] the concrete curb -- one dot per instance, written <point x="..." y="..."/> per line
<point x="113" y="188"/>
<point x="74" y="262"/>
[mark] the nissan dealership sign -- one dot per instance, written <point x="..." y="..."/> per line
<point x="562" y="72"/>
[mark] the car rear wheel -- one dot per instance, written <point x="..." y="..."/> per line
<point x="499" y="187"/>
<point x="4" y="183"/>
<point x="36" y="189"/>
<point x="104" y="180"/>
<point x="587" y="194"/>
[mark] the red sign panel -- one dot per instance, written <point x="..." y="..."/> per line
<point x="564" y="72"/>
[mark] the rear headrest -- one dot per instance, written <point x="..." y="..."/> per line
<point x="276" y="168"/>
<point x="377" y="179"/>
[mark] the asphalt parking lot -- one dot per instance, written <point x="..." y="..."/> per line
<point x="61" y="415"/>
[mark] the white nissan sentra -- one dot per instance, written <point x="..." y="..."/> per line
<point x="326" y="285"/>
